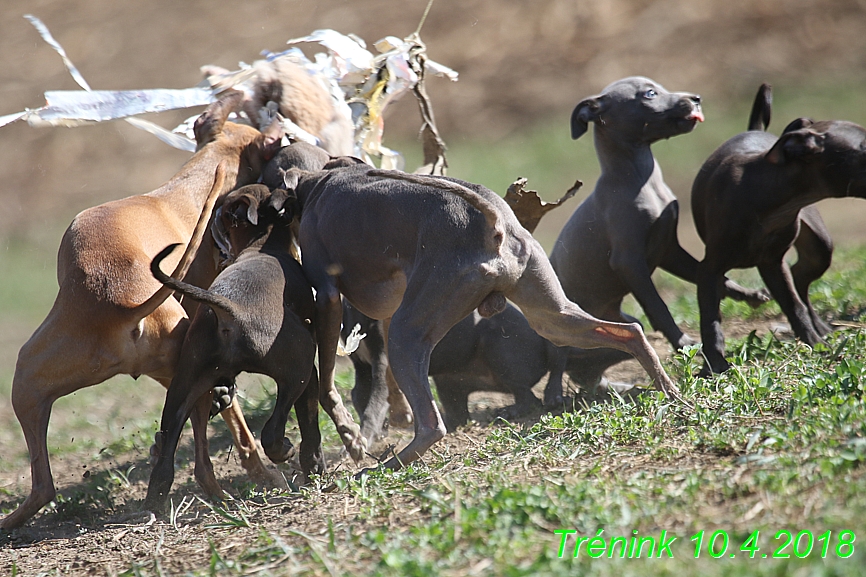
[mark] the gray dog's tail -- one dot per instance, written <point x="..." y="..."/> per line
<point x="487" y="208"/>
<point x="201" y="295"/>
<point x="759" y="119"/>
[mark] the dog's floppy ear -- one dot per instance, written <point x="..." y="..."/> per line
<point x="282" y="202"/>
<point x="798" y="124"/>
<point x="210" y="124"/>
<point x="584" y="113"/>
<point x="797" y="144"/>
<point x="291" y="177"/>
<point x="244" y="207"/>
<point x="342" y="162"/>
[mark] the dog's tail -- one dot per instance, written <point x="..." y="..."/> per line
<point x="487" y="208"/>
<point x="154" y="302"/>
<point x="759" y="119"/>
<point x="199" y="294"/>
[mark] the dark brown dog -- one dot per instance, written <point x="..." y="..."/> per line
<point x="258" y="319"/>
<point x="751" y="203"/>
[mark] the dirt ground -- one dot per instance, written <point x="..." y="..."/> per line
<point x="94" y="540"/>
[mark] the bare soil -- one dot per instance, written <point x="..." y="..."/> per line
<point x="107" y="533"/>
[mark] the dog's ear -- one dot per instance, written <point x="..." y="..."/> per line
<point x="273" y="139"/>
<point x="796" y="145"/>
<point x="284" y="203"/>
<point x="210" y="124"/>
<point x="342" y="162"/>
<point x="798" y="124"/>
<point x="252" y="208"/>
<point x="244" y="207"/>
<point x="291" y="177"/>
<point x="584" y="113"/>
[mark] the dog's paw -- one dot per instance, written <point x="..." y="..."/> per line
<point x="686" y="341"/>
<point x="358" y="449"/>
<point x="758" y="297"/>
<point x="356" y="445"/>
<point x="401" y="419"/>
<point x="223" y="395"/>
<point x="707" y="371"/>
<point x="281" y="451"/>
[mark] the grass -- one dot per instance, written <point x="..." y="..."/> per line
<point x="776" y="445"/>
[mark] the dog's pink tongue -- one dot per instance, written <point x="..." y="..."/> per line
<point x="696" y="115"/>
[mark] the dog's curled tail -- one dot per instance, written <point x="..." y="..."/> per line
<point x="759" y="119"/>
<point x="154" y="302"/>
<point x="487" y="208"/>
<point x="199" y="294"/>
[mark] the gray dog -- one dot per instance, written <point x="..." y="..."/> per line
<point x="751" y="203"/>
<point x="500" y="353"/>
<point x="627" y="227"/>
<point x="422" y="253"/>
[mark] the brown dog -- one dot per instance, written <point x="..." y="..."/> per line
<point x="111" y="316"/>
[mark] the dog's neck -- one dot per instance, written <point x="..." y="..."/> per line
<point x="307" y="188"/>
<point x="189" y="188"/>
<point x="622" y="158"/>
<point x="629" y="164"/>
<point x="271" y="238"/>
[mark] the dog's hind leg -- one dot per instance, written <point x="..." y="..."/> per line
<point x="291" y="383"/>
<point x="329" y="314"/>
<point x="311" y="456"/>
<point x="814" y="255"/>
<point x="431" y="306"/>
<point x="543" y="302"/>
<point x="204" y="473"/>
<point x="248" y="453"/>
<point x="189" y="396"/>
<point x="454" y="397"/>
<point x="779" y="280"/>
<point x="52" y="364"/>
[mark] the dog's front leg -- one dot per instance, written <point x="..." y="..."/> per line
<point x="633" y="270"/>
<point x="680" y="263"/>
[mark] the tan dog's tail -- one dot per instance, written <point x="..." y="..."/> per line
<point x="216" y="301"/>
<point x="487" y="208"/>
<point x="154" y="302"/>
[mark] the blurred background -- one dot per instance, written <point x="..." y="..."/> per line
<point x="523" y="66"/>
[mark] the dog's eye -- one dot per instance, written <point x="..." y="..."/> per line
<point x="650" y="94"/>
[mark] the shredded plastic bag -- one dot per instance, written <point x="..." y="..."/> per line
<point x="361" y="84"/>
